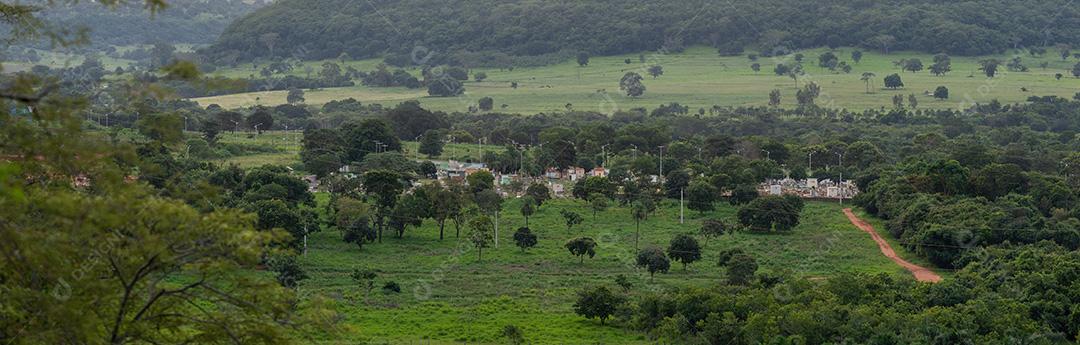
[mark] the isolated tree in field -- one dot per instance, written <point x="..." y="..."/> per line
<point x="774" y="98"/>
<point x="942" y="64"/>
<point x="486" y="103"/>
<point x="640" y="213"/>
<point x="631" y="84"/>
<point x="524" y="238"/>
<point x="598" y="302"/>
<point x="656" y="71"/>
<point x="431" y="143"/>
<point x="769" y="213"/>
<point x="866" y="78"/>
<point x="941" y="93"/>
<point x="913" y="65"/>
<point x="898" y="101"/>
<point x="989" y="67"/>
<point x="295" y="96"/>
<point x="740" y="266"/>
<point x="856" y="55"/>
<point x="913" y="101"/>
<point x="384" y="187"/>
<point x="539" y="192"/>
<point x="445" y="86"/>
<point x="701" y="196"/>
<point x="653" y="260"/>
<point x="756" y="67"/>
<point x="571" y="218"/>
<point x="528" y="208"/>
<point x="712" y="228"/>
<point x="480" y="76"/>
<point x="1076" y="70"/>
<point x="598" y="203"/>
<point x="893" y="81"/>
<point x="795" y="73"/>
<point x="781" y="69"/>
<point x="684" y="249"/>
<point x="445" y="203"/>
<point x="481" y="234"/>
<point x="1058" y="76"/>
<point x="580" y="247"/>
<point x="365" y="278"/>
<point x="582" y="59"/>
<point x="410" y="210"/>
<point x="828" y="60"/>
<point x="808" y="94"/>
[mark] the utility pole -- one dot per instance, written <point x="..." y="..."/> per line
<point x="635" y="150"/>
<point x="811" y="165"/>
<point x="681" y="219"/>
<point x="661" y="162"/>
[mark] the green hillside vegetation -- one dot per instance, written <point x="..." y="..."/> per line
<point x="449" y="296"/>
<point x="698" y="78"/>
<point x="490" y="32"/>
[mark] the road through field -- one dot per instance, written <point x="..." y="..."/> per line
<point x="922" y="274"/>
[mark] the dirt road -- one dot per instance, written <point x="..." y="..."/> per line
<point x="921" y="273"/>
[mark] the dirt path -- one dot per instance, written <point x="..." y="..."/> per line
<point x="921" y="273"/>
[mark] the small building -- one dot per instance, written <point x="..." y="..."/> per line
<point x="576" y="173"/>
<point x="599" y="172"/>
<point x="776" y="189"/>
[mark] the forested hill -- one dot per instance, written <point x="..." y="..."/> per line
<point x="182" y="21"/>
<point x="320" y="29"/>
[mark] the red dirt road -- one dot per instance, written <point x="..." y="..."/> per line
<point x="921" y="273"/>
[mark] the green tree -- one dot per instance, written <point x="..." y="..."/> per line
<point x="866" y="78"/>
<point x="384" y="187"/>
<point x="893" y="81"/>
<point x="856" y="55"/>
<point x="989" y="67"/>
<point x="598" y="302"/>
<point x="640" y="213"/>
<point x="539" y="192"/>
<point x="583" y="59"/>
<point x="701" y="196"/>
<point x="571" y="219"/>
<point x="431" y="143"/>
<point x="653" y="260"/>
<point x="712" y="228"/>
<point x="580" y="247"/>
<point x="445" y="87"/>
<point x="513" y="333"/>
<point x="769" y="213"/>
<point x="598" y="203"/>
<point x="480" y="181"/>
<point x="740" y="266"/>
<point x="913" y="65"/>
<point x="486" y="103"/>
<point x="631" y="84"/>
<point x="287" y="270"/>
<point x="295" y="96"/>
<point x="656" y="71"/>
<point x="941" y="93"/>
<point x="528" y="208"/>
<point x="684" y="249"/>
<point x="481" y="235"/>
<point x="524" y="238"/>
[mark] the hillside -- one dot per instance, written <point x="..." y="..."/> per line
<point x="322" y="29"/>
<point x="697" y="78"/>
<point x="181" y="22"/>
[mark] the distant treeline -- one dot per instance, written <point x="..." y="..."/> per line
<point x="455" y="31"/>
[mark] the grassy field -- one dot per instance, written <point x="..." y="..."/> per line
<point x="699" y="78"/>
<point x="449" y="296"/>
<point x="288" y="147"/>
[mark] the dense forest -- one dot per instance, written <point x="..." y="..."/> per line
<point x="491" y="32"/>
<point x="181" y="22"/>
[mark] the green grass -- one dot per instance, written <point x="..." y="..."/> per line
<point x="288" y="145"/>
<point x="699" y="78"/>
<point x="450" y="296"/>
